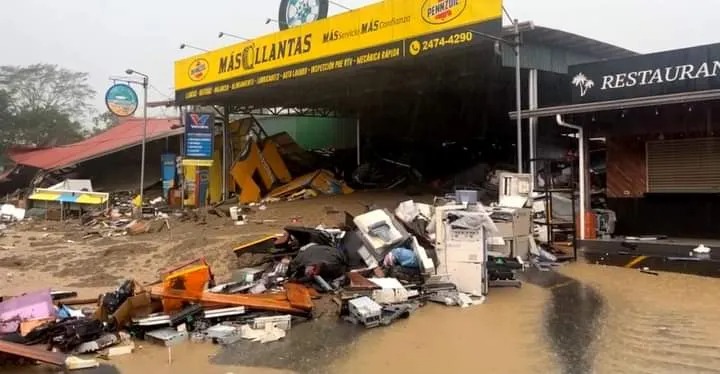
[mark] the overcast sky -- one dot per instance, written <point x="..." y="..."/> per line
<point x="105" y="37"/>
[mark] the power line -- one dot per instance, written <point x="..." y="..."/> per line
<point x="159" y="92"/>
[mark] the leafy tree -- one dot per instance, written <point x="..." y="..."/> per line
<point x="6" y="124"/>
<point x="46" y="103"/>
<point x="45" y="87"/>
<point x="104" y="122"/>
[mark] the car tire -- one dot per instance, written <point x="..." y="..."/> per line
<point x="282" y="13"/>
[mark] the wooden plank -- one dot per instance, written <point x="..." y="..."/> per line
<point x="250" y="301"/>
<point x="299" y="296"/>
<point x="34" y="353"/>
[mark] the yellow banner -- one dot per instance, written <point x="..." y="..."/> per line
<point x="382" y="23"/>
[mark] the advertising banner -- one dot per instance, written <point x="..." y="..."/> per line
<point x="168" y="172"/>
<point x="385" y="31"/>
<point x="671" y="72"/>
<point x="199" y="136"/>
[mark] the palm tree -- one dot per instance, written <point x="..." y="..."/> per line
<point x="588" y="85"/>
<point x="579" y="80"/>
<point x="583" y="82"/>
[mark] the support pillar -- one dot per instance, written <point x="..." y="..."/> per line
<point x="225" y="125"/>
<point x="532" y="122"/>
<point x="357" y="140"/>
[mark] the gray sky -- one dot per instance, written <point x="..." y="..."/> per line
<point x="104" y="37"/>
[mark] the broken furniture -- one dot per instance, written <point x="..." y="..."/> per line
<point x="258" y="169"/>
<point x="295" y="301"/>
<point x="73" y="192"/>
<point x="30" y="306"/>
<point x="194" y="276"/>
<point x="34" y="353"/>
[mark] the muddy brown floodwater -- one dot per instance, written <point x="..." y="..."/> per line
<point x="654" y="324"/>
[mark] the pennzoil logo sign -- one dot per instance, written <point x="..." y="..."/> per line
<point x="437" y="12"/>
<point x="198" y="69"/>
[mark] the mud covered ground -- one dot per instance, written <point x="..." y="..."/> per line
<point x="582" y="319"/>
<point x="51" y="254"/>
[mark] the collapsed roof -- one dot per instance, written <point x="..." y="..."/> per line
<point x="127" y="134"/>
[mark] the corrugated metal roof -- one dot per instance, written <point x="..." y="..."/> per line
<point x="573" y="42"/>
<point x="554" y="50"/>
<point x="125" y="135"/>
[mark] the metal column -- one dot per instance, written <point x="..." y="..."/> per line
<point x="357" y="140"/>
<point x="226" y="123"/>
<point x="532" y="121"/>
<point x="518" y="96"/>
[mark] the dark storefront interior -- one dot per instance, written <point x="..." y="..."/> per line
<point x="640" y="211"/>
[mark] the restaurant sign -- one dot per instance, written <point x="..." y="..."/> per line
<point x="671" y="72"/>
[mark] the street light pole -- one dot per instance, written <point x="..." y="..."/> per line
<point x="517" y="28"/>
<point x="145" y="83"/>
<point x="518" y="96"/>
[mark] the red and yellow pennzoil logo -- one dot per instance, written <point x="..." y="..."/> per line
<point x="442" y="11"/>
<point x="199" y="69"/>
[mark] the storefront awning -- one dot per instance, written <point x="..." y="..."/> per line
<point x="687" y="97"/>
<point x="671" y="77"/>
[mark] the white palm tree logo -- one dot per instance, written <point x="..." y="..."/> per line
<point x="583" y="82"/>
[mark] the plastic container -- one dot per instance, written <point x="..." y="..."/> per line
<point x="234" y="213"/>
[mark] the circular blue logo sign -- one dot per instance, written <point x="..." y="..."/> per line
<point x="121" y="100"/>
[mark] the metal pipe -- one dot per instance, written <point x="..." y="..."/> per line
<point x="518" y="97"/>
<point x="582" y="170"/>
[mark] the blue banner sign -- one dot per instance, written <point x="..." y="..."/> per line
<point x="199" y="135"/>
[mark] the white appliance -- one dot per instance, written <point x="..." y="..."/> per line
<point x="462" y="252"/>
<point x="514" y="189"/>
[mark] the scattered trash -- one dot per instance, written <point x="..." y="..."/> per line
<point x="380" y="267"/>
<point x="268" y="334"/>
<point x="366" y="311"/>
<point x="76" y="363"/>
<point x="647" y="270"/>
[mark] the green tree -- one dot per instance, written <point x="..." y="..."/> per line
<point x="46" y="102"/>
<point x="6" y="125"/>
<point x="104" y="122"/>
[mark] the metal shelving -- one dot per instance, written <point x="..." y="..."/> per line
<point x="557" y="228"/>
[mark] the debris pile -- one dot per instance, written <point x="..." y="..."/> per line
<point x="373" y="270"/>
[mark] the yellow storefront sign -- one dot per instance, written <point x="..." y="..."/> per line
<point x="387" y="30"/>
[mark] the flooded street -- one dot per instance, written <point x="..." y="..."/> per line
<point x="581" y="319"/>
<point x="654" y="324"/>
